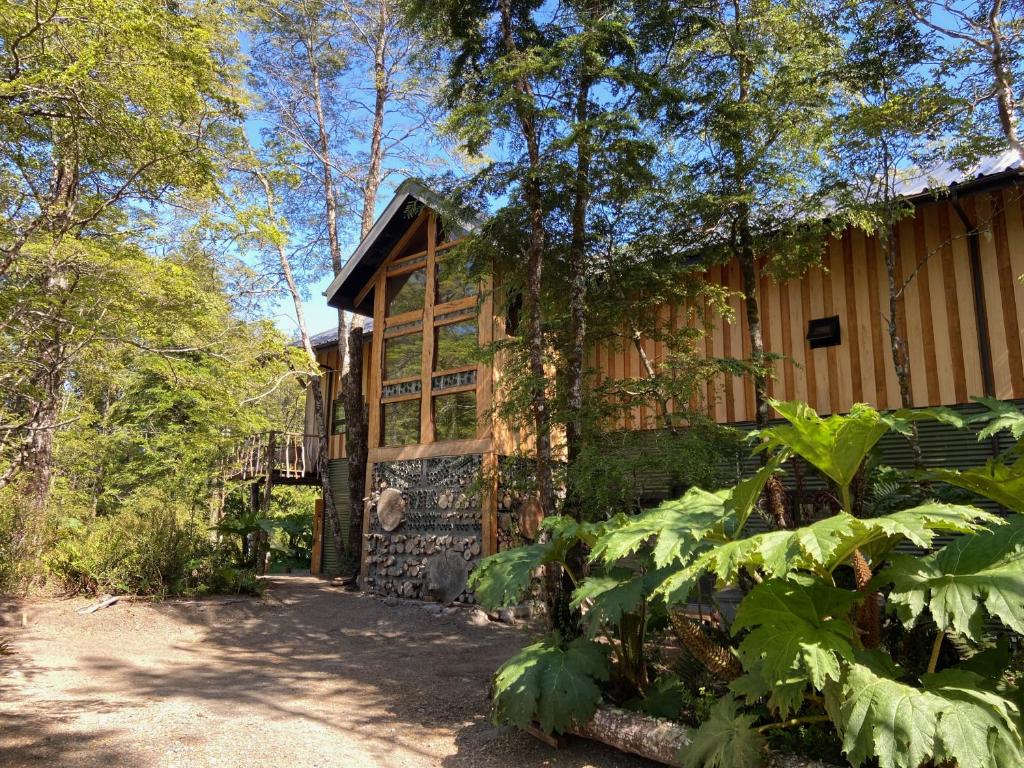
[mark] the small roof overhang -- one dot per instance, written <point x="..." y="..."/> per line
<point x="371" y="252"/>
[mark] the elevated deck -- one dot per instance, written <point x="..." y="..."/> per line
<point x="285" y="458"/>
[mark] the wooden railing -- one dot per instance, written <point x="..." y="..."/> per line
<point x="282" y="455"/>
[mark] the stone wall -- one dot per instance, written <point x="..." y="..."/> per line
<point x="436" y="504"/>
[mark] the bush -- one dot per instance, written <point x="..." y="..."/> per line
<point x="806" y="648"/>
<point x="148" y="548"/>
<point x="625" y="471"/>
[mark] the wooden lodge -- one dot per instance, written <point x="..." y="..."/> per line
<point x="440" y="472"/>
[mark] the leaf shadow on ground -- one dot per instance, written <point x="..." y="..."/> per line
<point x="345" y="675"/>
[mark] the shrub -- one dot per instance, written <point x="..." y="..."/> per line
<point x="148" y="548"/>
<point x="806" y="647"/>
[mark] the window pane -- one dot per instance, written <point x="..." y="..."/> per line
<point x="401" y="422"/>
<point x="455" y="345"/>
<point x="403" y="356"/>
<point x="455" y="416"/>
<point x="406" y="292"/>
<point x="338" y="417"/>
<point x="453" y="280"/>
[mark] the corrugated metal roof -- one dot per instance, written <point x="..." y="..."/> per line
<point x="326" y="338"/>
<point x="919" y="181"/>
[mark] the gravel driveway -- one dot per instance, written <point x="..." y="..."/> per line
<point x="307" y="676"/>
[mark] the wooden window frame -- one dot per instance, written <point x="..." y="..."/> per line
<point x="432" y="316"/>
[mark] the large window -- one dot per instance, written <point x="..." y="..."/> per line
<point x="454" y="281"/>
<point x="401" y="422"/>
<point x="455" y="416"/>
<point x="406" y="292"/>
<point x="455" y="345"/>
<point x="403" y="356"/>
<point x="338" y="417"/>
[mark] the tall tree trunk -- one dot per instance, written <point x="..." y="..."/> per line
<point x="323" y="425"/>
<point x="355" y="442"/>
<point x="526" y="116"/>
<point x="356" y="417"/>
<point x="748" y="269"/>
<point x="381" y="88"/>
<point x="897" y="344"/>
<point x="1005" y="99"/>
<point x="578" y="263"/>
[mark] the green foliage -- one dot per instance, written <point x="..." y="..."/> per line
<point x="999" y="416"/>
<point x="962" y="581"/>
<point x="502" y="579"/>
<point x="618" y="471"/>
<point x="725" y="740"/>
<point x="837" y="446"/>
<point x="953" y="717"/>
<point x="996" y="480"/>
<point x="799" y="628"/>
<point x="153" y="546"/>
<point x="145" y="549"/>
<point x="552" y="683"/>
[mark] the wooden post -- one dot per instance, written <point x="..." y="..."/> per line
<point x="427" y="360"/>
<point x="268" y="487"/>
<point x="318" y="538"/>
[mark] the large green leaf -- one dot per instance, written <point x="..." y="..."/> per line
<point x="610" y="595"/>
<point x="725" y="740"/>
<point x="837" y="445"/>
<point x="1001" y="415"/>
<point x="502" y="579"/>
<point x="996" y="480"/>
<point x="799" y="627"/>
<point x="962" y="580"/>
<point x="825" y="545"/>
<point x="902" y="726"/>
<point x="679" y="527"/>
<point x="551" y="683"/>
<point x="784" y="696"/>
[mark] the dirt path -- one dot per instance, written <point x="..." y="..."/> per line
<point x="307" y="676"/>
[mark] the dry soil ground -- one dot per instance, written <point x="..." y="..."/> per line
<point x="307" y="676"/>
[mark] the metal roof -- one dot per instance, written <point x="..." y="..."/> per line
<point x="919" y="181"/>
<point x="330" y="337"/>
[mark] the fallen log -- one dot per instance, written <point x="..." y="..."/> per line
<point x="662" y="741"/>
<point x="101" y="604"/>
<point x="638" y="734"/>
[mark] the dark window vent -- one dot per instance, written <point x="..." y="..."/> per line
<point x="823" y="332"/>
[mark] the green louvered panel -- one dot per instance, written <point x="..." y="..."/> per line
<point x="337" y="471"/>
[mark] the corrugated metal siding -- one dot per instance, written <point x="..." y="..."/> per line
<point x="941" y="444"/>
<point x="337" y="471"/>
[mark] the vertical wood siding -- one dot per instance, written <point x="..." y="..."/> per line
<point x="936" y="316"/>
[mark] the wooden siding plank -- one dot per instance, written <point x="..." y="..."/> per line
<point x="789" y="370"/>
<point x="881" y="304"/>
<point x="924" y="295"/>
<point x="845" y="352"/>
<point x="875" y="268"/>
<point x="828" y="310"/>
<point x="1016" y="235"/>
<point x="965" y="303"/>
<point x="993" y="298"/>
<point x="911" y="332"/>
<point x="816" y="308"/>
<point x="727" y="348"/>
<point x="861" y="371"/>
<point x="937" y="312"/>
<point x="951" y="310"/>
<point x="901" y="303"/>
<point x="1007" y="280"/>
